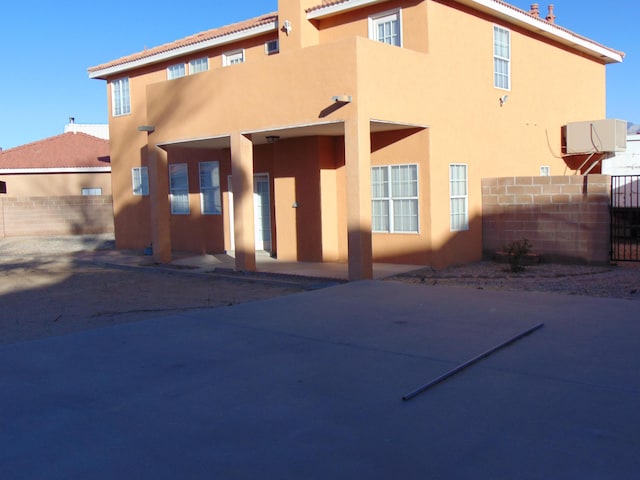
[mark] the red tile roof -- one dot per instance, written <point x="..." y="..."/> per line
<point x="68" y="150"/>
<point x="192" y="40"/>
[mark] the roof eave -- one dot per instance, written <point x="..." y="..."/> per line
<point x="546" y="29"/>
<point x="104" y="73"/>
<point x="10" y="171"/>
<point x="335" y="9"/>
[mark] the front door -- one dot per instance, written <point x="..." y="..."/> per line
<point x="261" y="212"/>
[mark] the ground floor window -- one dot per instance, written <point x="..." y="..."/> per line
<point x="210" y="188"/>
<point x="140" y="180"/>
<point x="394" y="194"/>
<point x="459" y="197"/>
<point x="179" y="189"/>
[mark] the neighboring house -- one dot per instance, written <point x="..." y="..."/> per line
<point x="627" y="162"/>
<point x="352" y="131"/>
<point x="59" y="185"/>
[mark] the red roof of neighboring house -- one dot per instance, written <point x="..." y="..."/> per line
<point x="192" y="40"/>
<point x="69" y="150"/>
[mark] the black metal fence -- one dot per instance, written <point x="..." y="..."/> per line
<point x="625" y="218"/>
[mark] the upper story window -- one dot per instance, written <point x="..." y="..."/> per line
<point x="232" y="58"/>
<point x="198" y="65"/>
<point x="501" y="58"/>
<point x="386" y="28"/>
<point x="176" y="71"/>
<point x="271" y="47"/>
<point x="120" y="100"/>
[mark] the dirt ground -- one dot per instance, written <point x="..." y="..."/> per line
<point x="56" y="285"/>
<point x="50" y="286"/>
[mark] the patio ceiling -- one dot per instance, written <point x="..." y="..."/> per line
<point x="327" y="129"/>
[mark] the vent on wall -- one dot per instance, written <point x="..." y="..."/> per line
<point x="598" y="136"/>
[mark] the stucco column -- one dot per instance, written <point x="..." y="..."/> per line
<point x="243" y="217"/>
<point x="358" y="171"/>
<point x="160" y="209"/>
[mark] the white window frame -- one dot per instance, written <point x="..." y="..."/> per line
<point x="120" y="97"/>
<point x="272" y="47"/>
<point x="210" y="198"/>
<point x="386" y="199"/>
<point x="382" y="18"/>
<point x="545" y="170"/>
<point x="179" y="191"/>
<point x="233" y="57"/>
<point x="459" y="219"/>
<point x="140" y="181"/>
<point x="176" y="70"/>
<point x="91" y="191"/>
<point x="501" y="79"/>
<point x="197" y="65"/>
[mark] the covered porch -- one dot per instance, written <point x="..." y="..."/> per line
<point x="332" y="242"/>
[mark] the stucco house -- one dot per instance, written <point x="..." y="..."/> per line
<point x="58" y="185"/>
<point x="346" y="131"/>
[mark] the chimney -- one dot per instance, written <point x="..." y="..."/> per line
<point x="551" y="18"/>
<point x="535" y="10"/>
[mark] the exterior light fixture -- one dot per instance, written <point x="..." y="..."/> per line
<point x="503" y="99"/>
<point x="341" y="98"/>
<point x="272" y="138"/>
<point x="287" y="27"/>
<point x="146" y="128"/>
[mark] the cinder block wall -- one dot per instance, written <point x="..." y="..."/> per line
<point x="69" y="215"/>
<point x="566" y="218"/>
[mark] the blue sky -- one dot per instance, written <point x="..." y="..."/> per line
<point x="46" y="48"/>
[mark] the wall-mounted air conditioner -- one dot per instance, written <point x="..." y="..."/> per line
<point x="607" y="135"/>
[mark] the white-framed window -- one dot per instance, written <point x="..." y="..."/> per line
<point x="459" y="196"/>
<point x="232" y="58"/>
<point x="545" y="170"/>
<point x="210" y="188"/>
<point x="198" y="65"/>
<point x="271" y="47"/>
<point x="179" y="188"/>
<point x="501" y="58"/>
<point x="394" y="198"/>
<point x="386" y="28"/>
<point x="176" y="71"/>
<point x="140" y="180"/>
<point x="91" y="191"/>
<point x="120" y="100"/>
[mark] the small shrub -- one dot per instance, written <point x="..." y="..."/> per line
<point x="516" y="250"/>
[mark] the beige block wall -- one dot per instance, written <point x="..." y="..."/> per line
<point x="564" y="217"/>
<point x="68" y="215"/>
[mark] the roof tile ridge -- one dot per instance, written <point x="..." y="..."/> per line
<point x="192" y="39"/>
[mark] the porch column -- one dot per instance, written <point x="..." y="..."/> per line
<point x="160" y="209"/>
<point x="358" y="171"/>
<point x="243" y="217"/>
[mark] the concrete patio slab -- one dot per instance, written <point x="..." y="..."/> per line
<point x="310" y="386"/>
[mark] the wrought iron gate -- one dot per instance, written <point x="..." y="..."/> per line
<point x="625" y="218"/>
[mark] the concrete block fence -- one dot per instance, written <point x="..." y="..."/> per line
<point x="68" y="215"/>
<point x="566" y="218"/>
